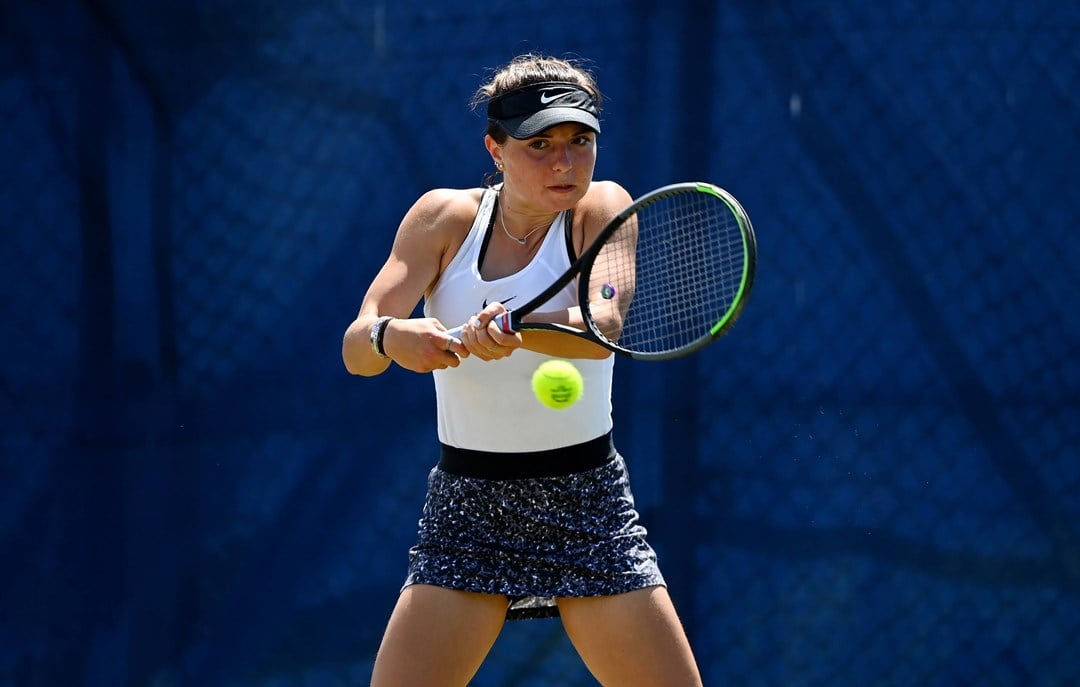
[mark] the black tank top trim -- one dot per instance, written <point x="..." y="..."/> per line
<point x="528" y="464"/>
<point x="487" y="232"/>
<point x="567" y="234"/>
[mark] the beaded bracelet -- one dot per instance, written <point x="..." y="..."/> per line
<point x="378" y="331"/>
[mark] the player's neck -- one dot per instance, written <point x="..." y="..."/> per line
<point x="525" y="230"/>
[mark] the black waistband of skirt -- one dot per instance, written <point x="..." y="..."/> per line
<point x="528" y="464"/>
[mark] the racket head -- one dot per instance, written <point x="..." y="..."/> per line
<point x="673" y="273"/>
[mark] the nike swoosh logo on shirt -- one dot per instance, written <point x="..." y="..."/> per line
<point x="504" y="301"/>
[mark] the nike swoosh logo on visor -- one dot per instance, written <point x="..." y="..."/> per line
<point x="545" y="98"/>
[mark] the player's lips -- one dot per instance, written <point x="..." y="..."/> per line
<point x="563" y="188"/>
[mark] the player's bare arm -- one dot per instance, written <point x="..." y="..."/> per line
<point x="427" y="239"/>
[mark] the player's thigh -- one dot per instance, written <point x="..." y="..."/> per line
<point x="631" y="639"/>
<point x="437" y="637"/>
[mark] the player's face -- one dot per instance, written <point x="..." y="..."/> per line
<point x="553" y="169"/>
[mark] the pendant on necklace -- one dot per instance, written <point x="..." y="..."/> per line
<point x="521" y="241"/>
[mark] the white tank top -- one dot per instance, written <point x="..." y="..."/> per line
<point x="490" y="406"/>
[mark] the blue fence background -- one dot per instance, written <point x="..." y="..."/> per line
<point x="872" y="480"/>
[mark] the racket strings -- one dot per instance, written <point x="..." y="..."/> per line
<point x="670" y="276"/>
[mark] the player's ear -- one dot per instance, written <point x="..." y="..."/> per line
<point x="494" y="149"/>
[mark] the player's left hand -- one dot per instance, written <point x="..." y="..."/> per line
<point x="485" y="339"/>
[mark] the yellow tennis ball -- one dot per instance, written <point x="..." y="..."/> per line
<point x="557" y="384"/>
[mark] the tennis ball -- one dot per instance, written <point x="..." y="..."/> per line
<point x="557" y="384"/>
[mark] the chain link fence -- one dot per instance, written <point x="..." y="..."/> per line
<point x="871" y="480"/>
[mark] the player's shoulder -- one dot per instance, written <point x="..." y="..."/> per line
<point x="450" y="204"/>
<point x="606" y="195"/>
<point x="445" y="207"/>
<point x="603" y="201"/>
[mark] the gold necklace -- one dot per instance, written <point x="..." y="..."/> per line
<point x="523" y="239"/>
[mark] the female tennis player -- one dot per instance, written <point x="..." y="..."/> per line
<point x="528" y="512"/>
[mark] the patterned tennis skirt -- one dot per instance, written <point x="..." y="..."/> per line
<point x="534" y="539"/>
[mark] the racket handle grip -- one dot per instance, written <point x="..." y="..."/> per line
<point x="503" y="321"/>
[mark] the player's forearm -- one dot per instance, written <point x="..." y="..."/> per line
<point x="561" y="345"/>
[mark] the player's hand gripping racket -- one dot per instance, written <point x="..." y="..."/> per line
<point x="667" y="276"/>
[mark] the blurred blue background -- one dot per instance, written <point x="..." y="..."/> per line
<point x="872" y="480"/>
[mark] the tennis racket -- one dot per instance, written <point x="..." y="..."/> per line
<point x="667" y="276"/>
